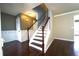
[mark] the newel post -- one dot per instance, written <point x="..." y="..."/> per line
<point x="28" y="42"/>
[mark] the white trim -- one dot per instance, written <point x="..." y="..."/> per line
<point x="64" y="39"/>
<point x="66" y="13"/>
<point x="49" y="45"/>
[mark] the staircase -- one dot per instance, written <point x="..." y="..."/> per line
<point x="38" y="39"/>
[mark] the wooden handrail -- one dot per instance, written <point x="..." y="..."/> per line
<point x="43" y="27"/>
<point x="46" y="22"/>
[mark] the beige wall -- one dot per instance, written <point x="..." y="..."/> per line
<point x="64" y="26"/>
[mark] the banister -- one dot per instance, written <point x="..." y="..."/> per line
<point x="43" y="35"/>
<point x="46" y="22"/>
<point x="43" y="24"/>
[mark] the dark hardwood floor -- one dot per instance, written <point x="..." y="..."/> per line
<point x="16" y="48"/>
<point x="61" y="48"/>
<point x="57" y="48"/>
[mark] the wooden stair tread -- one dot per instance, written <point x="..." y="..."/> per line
<point x="36" y="44"/>
<point x="41" y="30"/>
<point x="37" y="40"/>
<point x="40" y="33"/>
<point x="38" y="36"/>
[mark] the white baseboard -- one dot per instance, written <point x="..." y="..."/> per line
<point x="49" y="45"/>
<point x="64" y="39"/>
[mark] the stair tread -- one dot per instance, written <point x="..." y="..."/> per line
<point x="38" y="36"/>
<point x="40" y="33"/>
<point x="38" y="40"/>
<point x="39" y="45"/>
<point x="41" y="30"/>
<point x="36" y="47"/>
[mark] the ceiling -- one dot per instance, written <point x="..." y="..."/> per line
<point x="58" y="8"/>
<point x="16" y="8"/>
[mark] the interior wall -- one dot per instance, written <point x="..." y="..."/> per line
<point x="8" y="22"/>
<point x="24" y="24"/>
<point x="51" y="38"/>
<point x="64" y="26"/>
<point x="31" y="32"/>
<point x="24" y="35"/>
<point x="8" y="27"/>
